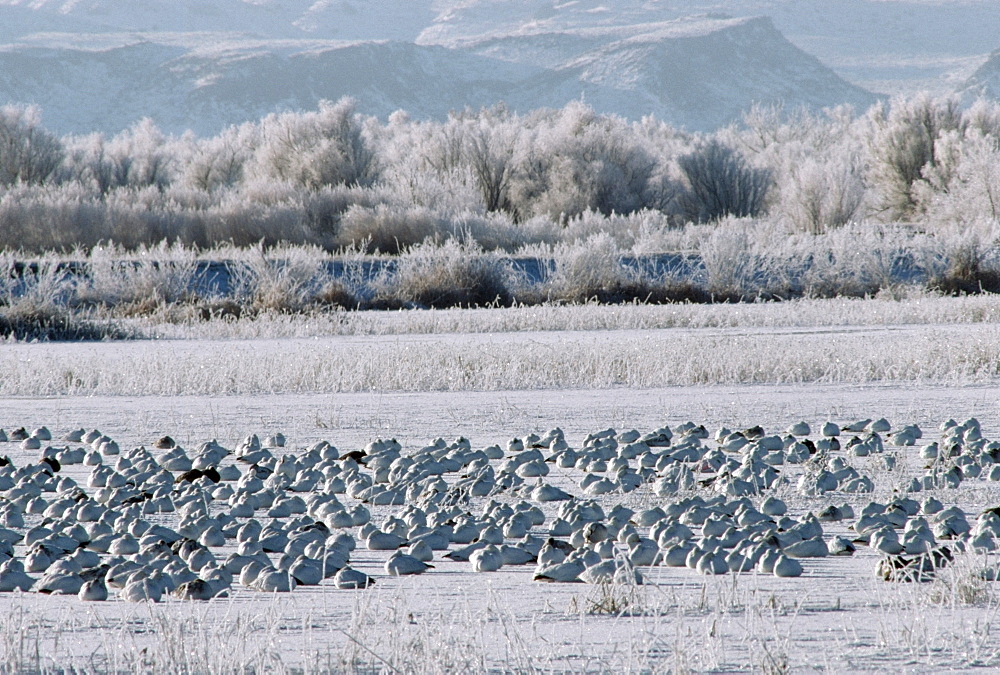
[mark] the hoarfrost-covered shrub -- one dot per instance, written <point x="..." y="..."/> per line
<point x="746" y="260"/>
<point x="217" y="162"/>
<point x="965" y="188"/>
<point x="138" y="157"/>
<point x="28" y="153"/>
<point x="282" y="280"/>
<point x="904" y="150"/>
<point x="452" y="274"/>
<point x="824" y="192"/>
<point x="315" y="149"/>
<point x="862" y="259"/>
<point x="34" y="305"/>
<point x="388" y="229"/>
<point x="969" y="260"/>
<point x="594" y="270"/>
<point x="488" y="146"/>
<point x="156" y="275"/>
<point x="575" y="160"/>
<point x="392" y="229"/>
<point x="49" y="217"/>
<point x="720" y="183"/>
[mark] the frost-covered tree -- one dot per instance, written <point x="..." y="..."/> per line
<point x="823" y="191"/>
<point x="720" y="183"/>
<point x="903" y="147"/>
<point x="28" y="153"/>
<point x="965" y="186"/>
<point x="315" y="149"/>
<point x="488" y="146"/>
<point x="575" y="160"/>
<point x="138" y="157"/>
<point x="217" y="162"/>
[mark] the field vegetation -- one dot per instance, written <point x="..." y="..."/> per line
<point x="786" y="204"/>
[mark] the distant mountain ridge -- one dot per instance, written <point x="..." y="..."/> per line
<point x="985" y="82"/>
<point x="694" y="73"/>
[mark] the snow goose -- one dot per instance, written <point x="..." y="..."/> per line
<point x="271" y="580"/>
<point x="142" y="589"/>
<point x="12" y="576"/>
<point x="94" y="590"/>
<point x="487" y="559"/>
<point x="644" y="552"/>
<point x="568" y="571"/>
<point x="40" y="558"/>
<point x="765" y="565"/>
<point x="219" y="578"/>
<point x="713" y="562"/>
<point x="675" y="547"/>
<point x="383" y="541"/>
<point x="543" y="492"/>
<point x="517" y="555"/>
<point x="60" y="579"/>
<point x="840" y="546"/>
<point x="551" y="553"/>
<point x="349" y="578"/>
<point x="611" y="571"/>
<point x="195" y="589"/>
<point x="886" y="541"/>
<point x="421" y="551"/>
<point x="463" y="553"/>
<point x="74" y="436"/>
<point x="921" y="568"/>
<point x="306" y="571"/>
<point x="400" y="564"/>
<point x="786" y="567"/>
<point x="799" y="429"/>
<point x="813" y="547"/>
<point x="252" y="570"/>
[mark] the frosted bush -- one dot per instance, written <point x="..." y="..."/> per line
<point x="903" y="146"/>
<point x="720" y="183"/>
<point x="314" y="149"/>
<point x="575" y="160"/>
<point x="157" y="275"/>
<point x="745" y="260"/>
<point x="449" y="275"/>
<point x="218" y="162"/>
<point x="860" y="260"/>
<point x="825" y="192"/>
<point x="965" y="186"/>
<point x="28" y="153"/>
<point x="50" y="217"/>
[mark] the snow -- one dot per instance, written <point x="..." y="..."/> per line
<point x="837" y="616"/>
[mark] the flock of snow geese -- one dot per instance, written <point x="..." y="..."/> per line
<point x="148" y="523"/>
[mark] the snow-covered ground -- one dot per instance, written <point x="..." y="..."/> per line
<point x="838" y="615"/>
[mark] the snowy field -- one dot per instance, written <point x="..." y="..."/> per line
<point x="838" y="615"/>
